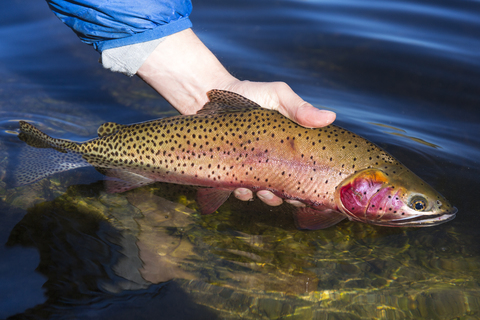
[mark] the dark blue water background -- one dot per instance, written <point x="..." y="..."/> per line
<point x="404" y="74"/>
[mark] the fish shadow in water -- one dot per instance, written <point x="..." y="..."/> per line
<point x="90" y="253"/>
<point x="92" y="264"/>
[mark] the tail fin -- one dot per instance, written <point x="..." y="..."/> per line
<point x="36" y="138"/>
<point x="44" y="156"/>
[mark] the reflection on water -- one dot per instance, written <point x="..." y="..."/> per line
<point x="401" y="133"/>
<point x="403" y="74"/>
<point x="131" y="242"/>
<point x="418" y="140"/>
<point x="387" y="126"/>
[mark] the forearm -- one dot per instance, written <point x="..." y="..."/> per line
<point x="182" y="69"/>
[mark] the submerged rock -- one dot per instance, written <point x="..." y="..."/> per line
<point x="100" y="248"/>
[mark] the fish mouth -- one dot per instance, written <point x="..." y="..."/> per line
<point x="423" y="221"/>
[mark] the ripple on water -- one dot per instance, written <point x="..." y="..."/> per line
<point x="401" y="73"/>
<point x="55" y="126"/>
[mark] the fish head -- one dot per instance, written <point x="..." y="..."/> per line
<point x="392" y="196"/>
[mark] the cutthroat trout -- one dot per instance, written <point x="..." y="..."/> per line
<point x="232" y="142"/>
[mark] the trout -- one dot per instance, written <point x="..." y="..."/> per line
<point x="232" y="142"/>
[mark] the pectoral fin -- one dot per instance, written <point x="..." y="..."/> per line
<point x="210" y="199"/>
<point x="313" y="219"/>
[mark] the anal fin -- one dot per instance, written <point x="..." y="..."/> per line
<point x="314" y="219"/>
<point x="121" y="180"/>
<point x="210" y="199"/>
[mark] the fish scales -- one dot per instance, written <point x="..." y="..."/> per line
<point x="258" y="149"/>
<point x="232" y="142"/>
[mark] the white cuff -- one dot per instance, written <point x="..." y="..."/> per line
<point x="128" y="59"/>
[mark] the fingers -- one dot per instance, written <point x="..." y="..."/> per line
<point x="279" y="96"/>
<point x="296" y="203"/>
<point x="269" y="198"/>
<point x="300" y="111"/>
<point x="264" y="195"/>
<point x="311" y="117"/>
<point x="243" y="194"/>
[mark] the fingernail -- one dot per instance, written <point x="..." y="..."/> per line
<point x="265" y="195"/>
<point x="326" y="114"/>
<point x="241" y="192"/>
<point x="326" y="111"/>
<point x="325" y="117"/>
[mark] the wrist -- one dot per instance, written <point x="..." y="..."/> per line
<point x="182" y="69"/>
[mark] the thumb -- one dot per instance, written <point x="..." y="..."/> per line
<point x="300" y="111"/>
<point x="309" y="116"/>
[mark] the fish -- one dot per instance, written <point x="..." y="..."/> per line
<point x="232" y="142"/>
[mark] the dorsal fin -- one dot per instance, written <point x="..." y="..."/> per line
<point x="108" y="128"/>
<point x="225" y="101"/>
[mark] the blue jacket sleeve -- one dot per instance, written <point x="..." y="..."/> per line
<point x="109" y="24"/>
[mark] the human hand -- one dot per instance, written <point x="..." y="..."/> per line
<point x="183" y="70"/>
<point x="278" y="96"/>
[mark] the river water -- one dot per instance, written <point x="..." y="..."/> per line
<point x="404" y="74"/>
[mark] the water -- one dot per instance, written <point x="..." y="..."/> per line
<point x="402" y="74"/>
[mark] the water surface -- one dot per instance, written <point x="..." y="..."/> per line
<point x="404" y="74"/>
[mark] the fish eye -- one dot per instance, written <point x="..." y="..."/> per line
<point x="418" y="203"/>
